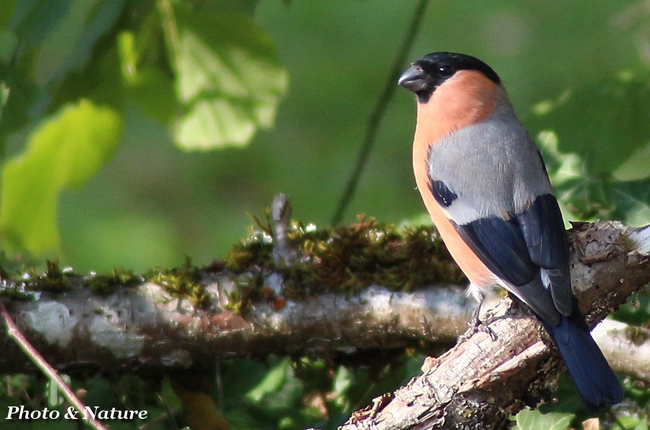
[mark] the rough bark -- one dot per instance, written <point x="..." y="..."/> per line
<point x="144" y="328"/>
<point x="480" y="382"/>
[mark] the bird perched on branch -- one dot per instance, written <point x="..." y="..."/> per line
<point x="485" y="185"/>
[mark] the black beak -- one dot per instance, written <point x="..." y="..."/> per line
<point x="413" y="79"/>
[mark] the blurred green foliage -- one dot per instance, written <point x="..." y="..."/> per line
<point x="65" y="151"/>
<point x="211" y="73"/>
<point x="97" y="96"/>
<point x="203" y="70"/>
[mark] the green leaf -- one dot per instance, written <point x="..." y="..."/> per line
<point x="584" y="195"/>
<point x="65" y="151"/>
<point x="343" y="380"/>
<point x="6" y="12"/>
<point x="46" y="41"/>
<point x="54" y="395"/>
<point x="605" y="123"/>
<point x="33" y="20"/>
<point x="145" y="84"/>
<point x="271" y="383"/>
<point x="636" y="167"/>
<point x="631" y="422"/>
<point x="21" y="94"/>
<point x="588" y="196"/>
<point x="70" y="43"/>
<point x="632" y="202"/>
<point x="533" y="420"/>
<point x="8" y="44"/>
<point x="62" y="33"/>
<point x="228" y="78"/>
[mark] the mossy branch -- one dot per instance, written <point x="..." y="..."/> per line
<point x="362" y="287"/>
<point x="359" y="288"/>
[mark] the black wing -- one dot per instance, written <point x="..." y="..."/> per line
<point x="525" y="249"/>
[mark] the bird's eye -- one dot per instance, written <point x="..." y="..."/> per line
<point x="445" y="71"/>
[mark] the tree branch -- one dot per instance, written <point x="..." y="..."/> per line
<point x="145" y="328"/>
<point x="626" y="347"/>
<point x="479" y="383"/>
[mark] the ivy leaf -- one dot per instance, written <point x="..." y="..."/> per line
<point x="533" y="420"/>
<point x="632" y="202"/>
<point x="597" y="197"/>
<point x="65" y="151"/>
<point x="228" y="78"/>
<point x="606" y="123"/>
<point x="636" y="167"/>
<point x="583" y="194"/>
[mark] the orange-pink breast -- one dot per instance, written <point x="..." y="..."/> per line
<point x="467" y="98"/>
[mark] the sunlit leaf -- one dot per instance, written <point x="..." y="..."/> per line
<point x="129" y="56"/>
<point x="228" y="78"/>
<point x="54" y="394"/>
<point x="631" y="422"/>
<point x="65" y="151"/>
<point x="342" y="380"/>
<point x="636" y="167"/>
<point x="534" y="420"/>
<point x="271" y="383"/>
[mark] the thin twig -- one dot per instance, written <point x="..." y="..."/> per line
<point x="14" y="333"/>
<point x="169" y="26"/>
<point x="378" y="112"/>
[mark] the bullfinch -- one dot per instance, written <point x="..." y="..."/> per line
<point x="485" y="185"/>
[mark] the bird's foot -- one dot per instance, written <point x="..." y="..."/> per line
<point x="475" y="325"/>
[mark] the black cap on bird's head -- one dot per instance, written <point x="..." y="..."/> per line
<point x="430" y="71"/>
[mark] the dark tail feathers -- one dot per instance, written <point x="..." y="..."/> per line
<point x="594" y="379"/>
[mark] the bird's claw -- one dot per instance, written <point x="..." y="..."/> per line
<point x="475" y="325"/>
